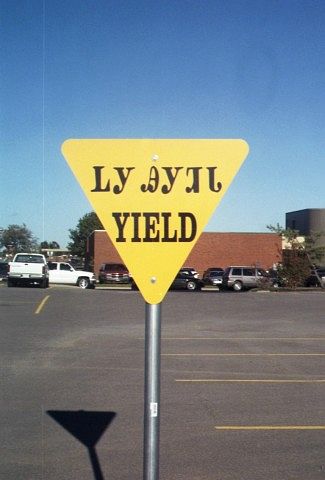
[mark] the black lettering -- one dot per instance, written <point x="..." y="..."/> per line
<point x="153" y="181"/>
<point x="123" y="178"/>
<point x="120" y="225"/>
<point x="98" y="180"/>
<point x="167" y="238"/>
<point x="136" y="216"/>
<point x="195" y="188"/>
<point x="213" y="187"/>
<point x="155" y="227"/>
<point x="151" y="221"/>
<point x="187" y="236"/>
<point x="171" y="178"/>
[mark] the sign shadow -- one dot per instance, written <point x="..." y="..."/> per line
<point x="87" y="427"/>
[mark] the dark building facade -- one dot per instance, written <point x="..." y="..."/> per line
<point x="307" y="222"/>
<point x="211" y="250"/>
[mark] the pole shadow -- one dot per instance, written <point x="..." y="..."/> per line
<point x="87" y="427"/>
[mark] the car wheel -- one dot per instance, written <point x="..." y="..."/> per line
<point x="237" y="286"/>
<point x="10" y="283"/>
<point x="191" y="286"/>
<point x="83" y="282"/>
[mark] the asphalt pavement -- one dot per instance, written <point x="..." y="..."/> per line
<point x="242" y="385"/>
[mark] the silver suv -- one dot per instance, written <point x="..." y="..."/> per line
<point x="244" y="277"/>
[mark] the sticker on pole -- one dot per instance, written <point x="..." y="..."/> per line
<point x="154" y="197"/>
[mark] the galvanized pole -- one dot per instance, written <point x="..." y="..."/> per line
<point x="152" y="392"/>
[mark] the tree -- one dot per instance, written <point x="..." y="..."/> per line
<point x="50" y="245"/>
<point x="299" y="255"/>
<point x="86" y="225"/>
<point x="315" y="247"/>
<point x="18" y="238"/>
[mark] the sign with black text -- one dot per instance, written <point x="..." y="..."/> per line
<point x="154" y="197"/>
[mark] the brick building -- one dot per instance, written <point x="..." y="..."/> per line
<point x="211" y="250"/>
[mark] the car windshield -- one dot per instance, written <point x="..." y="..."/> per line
<point x="115" y="266"/>
<point x="188" y="271"/>
<point x="29" y="258"/>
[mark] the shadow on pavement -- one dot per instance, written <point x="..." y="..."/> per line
<point x="87" y="427"/>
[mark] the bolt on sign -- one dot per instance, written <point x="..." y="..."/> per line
<point x="154" y="197"/>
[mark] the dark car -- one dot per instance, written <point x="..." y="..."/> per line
<point x="213" y="269"/>
<point x="213" y="277"/>
<point x="184" y="281"/>
<point x="4" y="268"/>
<point x="114" y="273"/>
<point x="189" y="271"/>
<point x="315" y="278"/>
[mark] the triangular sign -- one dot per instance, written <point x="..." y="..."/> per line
<point x="154" y="197"/>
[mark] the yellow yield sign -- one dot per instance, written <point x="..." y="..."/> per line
<point x="154" y="197"/>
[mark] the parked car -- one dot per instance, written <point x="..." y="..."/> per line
<point x="213" y="277"/>
<point x="64" y="273"/>
<point x="316" y="278"/>
<point x="245" y="277"/>
<point x="212" y="269"/>
<point x="184" y="281"/>
<point x="189" y="271"/>
<point x="28" y="269"/>
<point x="4" y="267"/>
<point x="114" y="273"/>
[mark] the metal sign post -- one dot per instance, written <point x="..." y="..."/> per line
<point x="152" y="392"/>
<point x="184" y="179"/>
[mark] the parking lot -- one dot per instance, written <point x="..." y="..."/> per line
<point x="242" y="385"/>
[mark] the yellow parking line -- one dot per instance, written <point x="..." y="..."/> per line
<point x="229" y="380"/>
<point x="271" y="427"/>
<point x="41" y="305"/>
<point x="243" y="354"/>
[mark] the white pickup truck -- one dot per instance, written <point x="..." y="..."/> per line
<point x="28" y="268"/>
<point x="64" y="273"/>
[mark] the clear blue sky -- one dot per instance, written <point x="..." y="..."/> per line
<point x="162" y="69"/>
